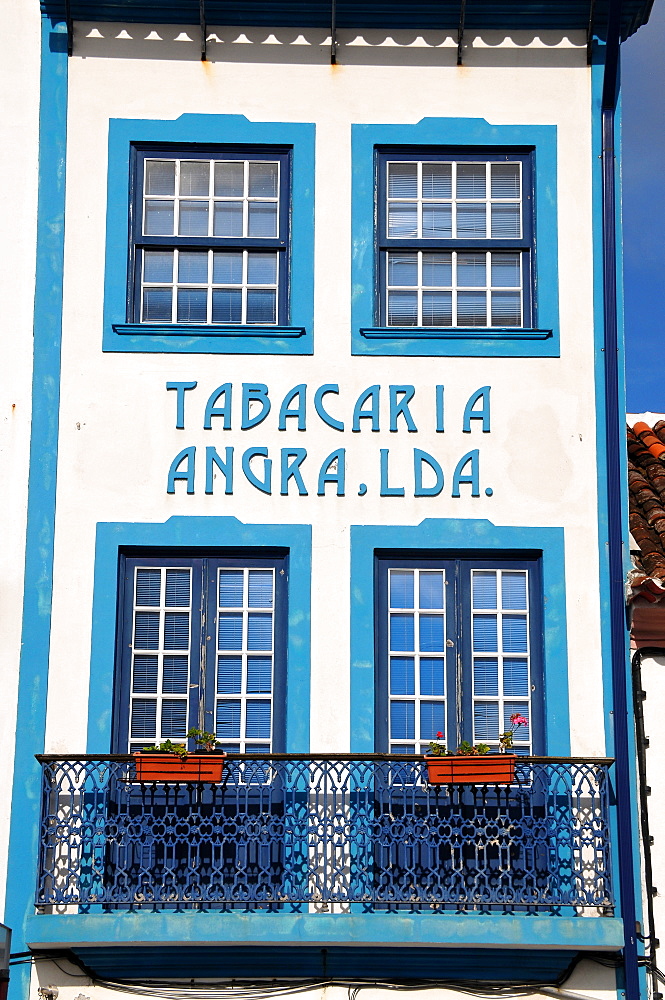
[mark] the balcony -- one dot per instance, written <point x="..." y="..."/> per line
<point x="325" y="834"/>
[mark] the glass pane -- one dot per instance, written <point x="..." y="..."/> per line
<point x="176" y="630"/>
<point x="485" y="635"/>
<point x="510" y="708"/>
<point x="260" y="588"/>
<point x="194" y="177"/>
<point x="229" y="178"/>
<point x="144" y="719"/>
<point x="258" y="720"/>
<point x="471" y="180"/>
<point x="515" y="677"/>
<point x="402" y="675"/>
<point x="471" y="309"/>
<point x="402" y="309"/>
<point x="229" y="631"/>
<point x="259" y="674"/>
<point x="484" y="589"/>
<point x="471" y="270"/>
<point x="471" y="220"/>
<point x="144" y="675"/>
<point x="402" y="269"/>
<point x="262" y="219"/>
<point x="229" y="674"/>
<point x="263" y="180"/>
<point x="401" y="588"/>
<point x="506" y="270"/>
<point x="437" y="221"/>
<point x="148" y="583"/>
<point x="485" y="677"/>
<point x="402" y="220"/>
<point x="437" y="270"/>
<point x="227" y="219"/>
<point x="513" y="590"/>
<point x="402" y="635"/>
<point x="227" y="723"/>
<point x="193" y="267"/>
<point x="259" y="631"/>
<point x="437" y="309"/>
<point x="226" y="306"/>
<point x="175" y="675"/>
<point x="227" y="268"/>
<point x="157" y="304"/>
<point x="160" y="177"/>
<point x="193" y="218"/>
<point x="506" y="309"/>
<point x="506" y="223"/>
<point x="158" y="218"/>
<point x="261" y="306"/>
<point x="431" y="633"/>
<point x="177" y="588"/>
<point x="174" y="719"/>
<point x="437" y="180"/>
<point x="402" y="720"/>
<point x="262" y="268"/>
<point x="146" y="630"/>
<point x="403" y="180"/>
<point x="230" y="588"/>
<point x="431" y="676"/>
<point x="505" y="180"/>
<point x="486" y="721"/>
<point x="514" y="633"/>
<point x="192" y="305"/>
<point x="432" y="719"/>
<point x="431" y="589"/>
<point x="158" y="265"/>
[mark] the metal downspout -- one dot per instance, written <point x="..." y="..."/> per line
<point x="614" y="423"/>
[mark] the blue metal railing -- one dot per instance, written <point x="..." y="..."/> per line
<point x="288" y="830"/>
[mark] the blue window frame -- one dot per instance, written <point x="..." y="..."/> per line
<point x="210" y="236"/>
<point x="202" y="644"/>
<point x="459" y="645"/>
<point x="454" y="239"/>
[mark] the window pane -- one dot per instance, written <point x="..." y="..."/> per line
<point x="227" y="219"/>
<point x="510" y="708"/>
<point x="485" y="677"/>
<point x="229" y="178"/>
<point x="259" y="674"/>
<point x="471" y="309"/>
<point x="263" y="180"/>
<point x="437" y="270"/>
<point x="486" y="721"/>
<point x="437" y="222"/>
<point x="401" y="588"/>
<point x="177" y="588"/>
<point x="229" y="674"/>
<point x="484" y="589"/>
<point x="431" y="633"/>
<point x="160" y="177"/>
<point x="176" y="630"/>
<point x="437" y="308"/>
<point x="402" y="635"/>
<point x="514" y="634"/>
<point x="506" y="223"/>
<point x="261" y="306"/>
<point x="402" y="720"/>
<point x="193" y="218"/>
<point x="194" y="177"/>
<point x="262" y="268"/>
<point x="402" y="269"/>
<point x="158" y="219"/>
<point x="431" y="676"/>
<point x="437" y="180"/>
<point x="471" y="270"/>
<point x="174" y="719"/>
<point x="471" y="180"/>
<point x="158" y="265"/>
<point x="148" y="582"/>
<point x="146" y="630"/>
<point x="229" y="632"/>
<point x="402" y="180"/>
<point x="157" y="304"/>
<point x="260" y="588"/>
<point x="259" y="631"/>
<point x="515" y="677"/>
<point x="506" y="309"/>
<point x="193" y="267"/>
<point x="485" y="635"/>
<point x="230" y="588"/>
<point x="402" y="309"/>
<point x="262" y="219"/>
<point x="226" y="306"/>
<point x="402" y="220"/>
<point x="431" y="589"/>
<point x="192" y="305"/>
<point x="505" y="180"/>
<point x="506" y="270"/>
<point x="258" y="720"/>
<point x="227" y="268"/>
<point x="144" y="719"/>
<point x="175" y="675"/>
<point x="144" y="675"/>
<point x="402" y="675"/>
<point x="471" y="221"/>
<point x="228" y="720"/>
<point x="513" y="591"/>
<point x="432" y="719"/>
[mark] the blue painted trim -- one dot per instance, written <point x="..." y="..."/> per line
<point x="458" y="537"/>
<point x="196" y="330"/>
<point x="462" y="133"/>
<point x="36" y="636"/>
<point x="203" y="533"/>
<point x="207" y="130"/>
<point x="399" y="929"/>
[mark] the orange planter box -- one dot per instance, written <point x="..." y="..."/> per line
<point x="485" y="769"/>
<point x="170" y="767"/>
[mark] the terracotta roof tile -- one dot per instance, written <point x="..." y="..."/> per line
<point x="646" y="496"/>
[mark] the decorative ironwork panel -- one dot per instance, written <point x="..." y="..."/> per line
<point x="289" y="831"/>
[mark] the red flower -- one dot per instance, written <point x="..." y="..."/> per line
<point x="439" y="736"/>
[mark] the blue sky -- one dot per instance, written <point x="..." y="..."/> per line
<point x="643" y="90"/>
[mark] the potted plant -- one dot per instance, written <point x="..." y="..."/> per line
<point x="172" y="761"/>
<point x="474" y="764"/>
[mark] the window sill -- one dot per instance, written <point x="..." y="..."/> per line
<point x="196" y="338"/>
<point x="456" y="341"/>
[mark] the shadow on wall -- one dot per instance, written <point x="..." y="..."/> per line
<point x="312" y="46"/>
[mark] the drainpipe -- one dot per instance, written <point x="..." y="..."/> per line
<point x="614" y="423"/>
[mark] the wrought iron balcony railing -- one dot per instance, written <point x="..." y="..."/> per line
<point x="303" y="833"/>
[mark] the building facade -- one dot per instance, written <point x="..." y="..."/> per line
<point x="325" y="459"/>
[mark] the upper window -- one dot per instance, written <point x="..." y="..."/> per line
<point x="202" y="646"/>
<point x="210" y="237"/>
<point x="454" y="240"/>
<point x="458" y="653"/>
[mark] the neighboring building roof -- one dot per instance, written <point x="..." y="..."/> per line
<point x="646" y="504"/>
<point x="562" y="15"/>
